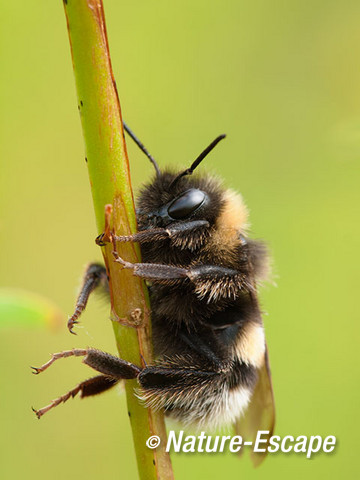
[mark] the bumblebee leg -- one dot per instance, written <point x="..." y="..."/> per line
<point x="101" y="361"/>
<point x="178" y="233"/>
<point x="112" y="368"/>
<point x="110" y="365"/>
<point x="95" y="276"/>
<point x="210" y="281"/>
<point x="75" y="352"/>
<point x="141" y="237"/>
<point x="213" y="282"/>
<point x="154" y="271"/>
<point x="93" y="386"/>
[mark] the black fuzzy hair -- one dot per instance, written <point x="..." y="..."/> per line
<point x="158" y="193"/>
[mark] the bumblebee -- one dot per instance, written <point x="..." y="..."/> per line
<point x="211" y="366"/>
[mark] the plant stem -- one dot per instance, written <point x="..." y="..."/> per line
<point x="108" y="167"/>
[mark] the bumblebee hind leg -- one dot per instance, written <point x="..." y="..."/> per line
<point x="92" y="386"/>
<point x="100" y="361"/>
<point x="113" y="369"/>
<point x="188" y="388"/>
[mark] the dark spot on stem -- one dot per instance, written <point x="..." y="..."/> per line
<point x="129" y="414"/>
<point x="154" y="461"/>
<point x="81" y="103"/>
<point x="86" y="159"/>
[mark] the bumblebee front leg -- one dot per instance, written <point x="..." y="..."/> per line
<point x="95" y="276"/>
<point x="188" y="235"/>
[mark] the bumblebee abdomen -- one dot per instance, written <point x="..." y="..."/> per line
<point x="195" y="394"/>
<point x="213" y="410"/>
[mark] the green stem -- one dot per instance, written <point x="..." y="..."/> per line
<point x="108" y="166"/>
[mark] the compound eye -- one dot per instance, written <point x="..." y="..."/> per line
<point x="185" y="205"/>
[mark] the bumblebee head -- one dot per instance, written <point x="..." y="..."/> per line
<point x="192" y="198"/>
<point x="175" y="197"/>
<point x="183" y="207"/>
<point x="180" y="197"/>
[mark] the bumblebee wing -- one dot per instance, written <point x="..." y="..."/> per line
<point x="260" y="413"/>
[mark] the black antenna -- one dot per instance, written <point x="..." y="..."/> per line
<point x="199" y="159"/>
<point x="142" y="148"/>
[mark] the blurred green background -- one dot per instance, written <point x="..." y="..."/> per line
<point x="282" y="79"/>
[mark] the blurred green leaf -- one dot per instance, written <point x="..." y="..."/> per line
<point x="21" y="307"/>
